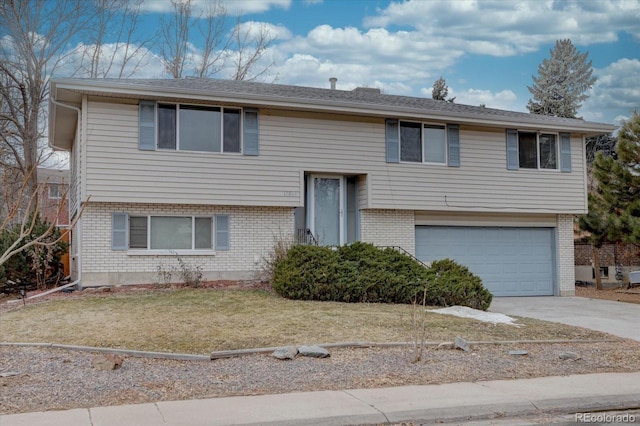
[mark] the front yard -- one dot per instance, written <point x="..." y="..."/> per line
<point x="199" y="321"/>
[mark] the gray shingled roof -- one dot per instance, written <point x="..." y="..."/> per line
<point x="356" y="98"/>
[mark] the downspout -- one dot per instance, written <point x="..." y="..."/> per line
<point x="75" y="283"/>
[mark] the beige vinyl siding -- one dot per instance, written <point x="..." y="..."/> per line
<point x="294" y="142"/>
<point x="485" y="219"/>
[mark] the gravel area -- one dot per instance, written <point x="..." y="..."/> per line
<point x="56" y="379"/>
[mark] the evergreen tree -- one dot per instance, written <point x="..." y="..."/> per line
<point x="614" y="206"/>
<point x="562" y="82"/>
<point x="440" y="90"/>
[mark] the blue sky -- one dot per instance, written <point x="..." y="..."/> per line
<point x="487" y="50"/>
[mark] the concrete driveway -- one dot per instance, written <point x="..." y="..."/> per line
<point x="618" y="318"/>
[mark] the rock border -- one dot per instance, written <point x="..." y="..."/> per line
<point x="254" y="351"/>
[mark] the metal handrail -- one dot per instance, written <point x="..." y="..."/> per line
<point x="305" y="236"/>
<point x="402" y="250"/>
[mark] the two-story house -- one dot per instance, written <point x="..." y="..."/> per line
<point x="216" y="171"/>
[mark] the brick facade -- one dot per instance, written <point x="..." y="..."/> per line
<point x="389" y="228"/>
<point x="253" y="231"/>
<point x="566" y="266"/>
<point x="609" y="253"/>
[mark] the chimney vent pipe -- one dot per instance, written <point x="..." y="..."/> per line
<point x="333" y="82"/>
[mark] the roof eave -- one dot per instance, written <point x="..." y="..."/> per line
<point x="309" y="104"/>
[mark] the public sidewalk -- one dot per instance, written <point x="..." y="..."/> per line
<point x="446" y="403"/>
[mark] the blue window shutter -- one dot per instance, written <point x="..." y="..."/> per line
<point x="513" y="157"/>
<point x="147" y="126"/>
<point x="393" y="142"/>
<point x="222" y="232"/>
<point x="251" y="142"/>
<point x="565" y="152"/>
<point x="453" y="140"/>
<point x="119" y="231"/>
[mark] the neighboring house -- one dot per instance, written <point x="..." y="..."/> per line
<point x="55" y="183"/>
<point x="53" y="202"/>
<point x="216" y="171"/>
<point x="625" y="256"/>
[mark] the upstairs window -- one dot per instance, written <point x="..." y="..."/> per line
<point x="537" y="150"/>
<point x="198" y="128"/>
<point x="423" y="143"/>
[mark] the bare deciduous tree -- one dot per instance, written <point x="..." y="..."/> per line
<point x="242" y="45"/>
<point x="14" y="214"/>
<point x="251" y="46"/>
<point x="174" y="38"/>
<point x="115" y="20"/>
<point x="37" y="36"/>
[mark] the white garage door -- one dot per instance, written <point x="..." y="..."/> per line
<point x="510" y="261"/>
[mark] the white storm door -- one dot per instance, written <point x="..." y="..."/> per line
<point x="327" y="209"/>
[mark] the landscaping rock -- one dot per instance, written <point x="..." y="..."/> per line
<point x="107" y="362"/>
<point x="460" y="343"/>
<point x="287" y="352"/>
<point x="570" y="355"/>
<point x="518" y="352"/>
<point x="9" y="374"/>
<point x="313" y="351"/>
<point x="445" y="345"/>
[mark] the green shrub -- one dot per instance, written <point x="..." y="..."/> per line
<point x="361" y="272"/>
<point x="307" y="273"/>
<point x="453" y="284"/>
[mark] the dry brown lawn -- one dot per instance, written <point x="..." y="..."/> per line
<point x="199" y="321"/>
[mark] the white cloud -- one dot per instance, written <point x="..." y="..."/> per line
<point x="501" y="28"/>
<point x="393" y="59"/>
<point x="505" y="99"/>
<point x="253" y="29"/>
<point x="617" y="89"/>
<point x="234" y="7"/>
<point x="140" y="62"/>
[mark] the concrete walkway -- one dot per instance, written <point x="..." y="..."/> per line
<point x="617" y="318"/>
<point x="455" y="402"/>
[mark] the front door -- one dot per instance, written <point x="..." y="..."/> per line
<point x="326" y="202"/>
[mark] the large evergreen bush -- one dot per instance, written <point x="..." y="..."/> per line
<point x="361" y="272"/>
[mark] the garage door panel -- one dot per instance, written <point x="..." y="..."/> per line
<point x="510" y="261"/>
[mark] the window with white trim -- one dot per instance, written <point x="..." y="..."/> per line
<point x="423" y="143"/>
<point x="537" y="150"/>
<point x="185" y="127"/>
<point x="55" y="191"/>
<point x="171" y="232"/>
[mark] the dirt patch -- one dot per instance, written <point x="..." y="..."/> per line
<point x="629" y="295"/>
